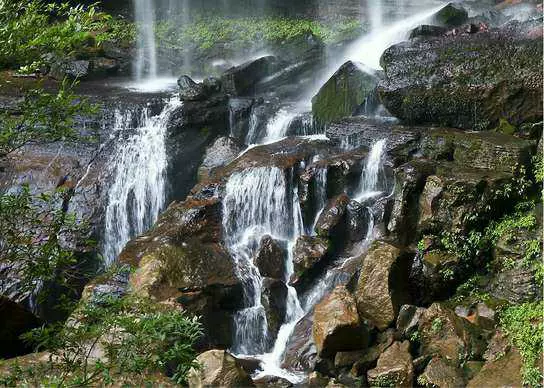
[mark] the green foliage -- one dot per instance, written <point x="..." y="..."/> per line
<point x="43" y="117"/>
<point x="31" y="30"/>
<point x="138" y="338"/>
<point x="208" y="32"/>
<point x="436" y="325"/>
<point x="524" y="326"/>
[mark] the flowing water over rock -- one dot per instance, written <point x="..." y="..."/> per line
<point x="138" y="190"/>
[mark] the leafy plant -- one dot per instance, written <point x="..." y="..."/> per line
<point x="112" y="340"/>
<point x="523" y="325"/>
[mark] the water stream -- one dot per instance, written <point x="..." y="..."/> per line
<point x="145" y="65"/>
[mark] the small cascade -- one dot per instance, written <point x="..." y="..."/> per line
<point x="251" y="137"/>
<point x="278" y="126"/>
<point x="369" y="185"/>
<point x="138" y="190"/>
<point x="146" y="59"/>
<point x="320" y="195"/>
<point x="258" y="202"/>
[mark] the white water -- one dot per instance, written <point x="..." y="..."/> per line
<point x="278" y="126"/>
<point x="146" y="57"/>
<point x="368" y="187"/>
<point x="138" y="167"/>
<point x="320" y="195"/>
<point x="257" y="202"/>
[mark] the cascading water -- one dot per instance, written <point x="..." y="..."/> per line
<point x="368" y="187"/>
<point x="145" y="65"/>
<point x="278" y="126"/>
<point x="138" y="190"/>
<point x="320" y="195"/>
<point x="257" y="202"/>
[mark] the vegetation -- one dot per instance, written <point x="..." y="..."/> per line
<point x="111" y="340"/>
<point x="524" y="326"/>
<point x="206" y="33"/>
<point x="33" y="32"/>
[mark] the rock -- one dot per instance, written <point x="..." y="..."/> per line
<point x="218" y="368"/>
<point x="434" y="275"/>
<point x="308" y="255"/>
<point x="343" y="93"/>
<point x="331" y="221"/>
<point x="17" y="320"/>
<point x="347" y="359"/>
<point x="336" y="324"/>
<point x="300" y="352"/>
<point x="78" y="69"/>
<point x="381" y="288"/>
<point x="502" y="372"/>
<point x="516" y="285"/>
<point x="431" y="81"/>
<point x="101" y="67"/>
<point x="182" y="257"/>
<point x="482" y="150"/>
<point x="221" y="152"/>
<point x="240" y="110"/>
<point x="408" y="320"/>
<point x="316" y="379"/>
<point x="239" y="80"/>
<point x="409" y="182"/>
<point x="444" y="334"/>
<point x="452" y="15"/>
<point x="358" y="218"/>
<point x="480" y="315"/>
<point x="371" y="355"/>
<point x="394" y="367"/>
<point x="273" y="299"/>
<point x="189" y="90"/>
<point x="439" y="373"/>
<point x="272" y="381"/>
<point x="427" y="31"/>
<point x="271" y="258"/>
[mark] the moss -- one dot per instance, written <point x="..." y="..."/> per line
<point x="523" y="325"/>
<point x="505" y="127"/>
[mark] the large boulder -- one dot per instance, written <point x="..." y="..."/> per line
<point x="460" y="81"/>
<point x="332" y="220"/>
<point x="343" y="93"/>
<point x="274" y="299"/>
<point x="218" y="369"/>
<point x="439" y="373"/>
<point x="182" y="258"/>
<point x="240" y="80"/>
<point x="271" y="258"/>
<point x="337" y="326"/>
<point x="308" y="253"/>
<point x="451" y="15"/>
<point x="394" y="368"/>
<point x="446" y="335"/>
<point x="301" y="352"/>
<point x="381" y="288"/>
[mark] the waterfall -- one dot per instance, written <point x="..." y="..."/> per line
<point x="146" y="57"/>
<point x="258" y="202"/>
<point x="369" y="185"/>
<point x="320" y="195"/>
<point x="138" y="191"/>
<point x="278" y="126"/>
<point x="376" y="16"/>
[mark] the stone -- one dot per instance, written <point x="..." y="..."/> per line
<point x="452" y="15"/>
<point x="394" y="368"/>
<point x="431" y="81"/>
<point x="343" y="93"/>
<point x="240" y="80"/>
<point x="446" y="335"/>
<point x="331" y="220"/>
<point x="381" y="288"/>
<point x="271" y="258"/>
<point x="502" y="372"/>
<point x="439" y="373"/>
<point x="273" y="299"/>
<point x="300" y="351"/>
<point x="221" y="152"/>
<point x="16" y="321"/>
<point x="218" y="368"/>
<point x="189" y="90"/>
<point x="336" y="324"/>
<point x="358" y="218"/>
<point x="408" y="320"/>
<point x="75" y="69"/>
<point x="371" y="355"/>
<point x="427" y="31"/>
<point x="101" y="67"/>
<point x="308" y="255"/>
<point x="272" y="381"/>
<point x="480" y="315"/>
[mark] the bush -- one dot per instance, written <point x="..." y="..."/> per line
<point x="32" y="30"/>
<point x="134" y="339"/>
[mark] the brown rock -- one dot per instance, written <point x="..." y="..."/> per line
<point x="502" y="372"/>
<point x="394" y="367"/>
<point x="439" y="373"/>
<point x="218" y="368"/>
<point x="381" y="286"/>
<point x="308" y="253"/>
<point x="330" y="220"/>
<point x="336" y="324"/>
<point x="271" y="258"/>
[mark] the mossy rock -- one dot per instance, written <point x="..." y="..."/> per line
<point x="343" y="93"/>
